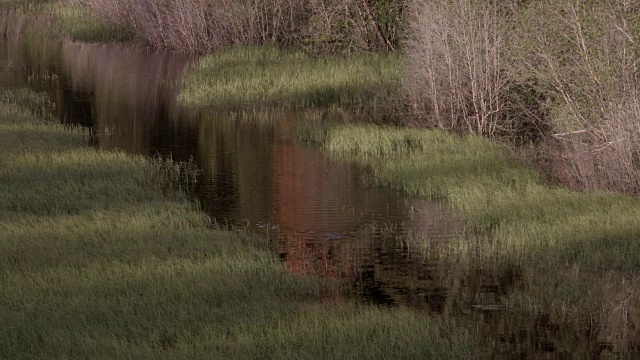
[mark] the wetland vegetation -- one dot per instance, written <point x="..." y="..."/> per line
<point x="99" y="261"/>
<point x="573" y="253"/>
<point x="267" y="76"/>
<point x="532" y="139"/>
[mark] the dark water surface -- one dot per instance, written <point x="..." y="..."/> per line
<point x="323" y="216"/>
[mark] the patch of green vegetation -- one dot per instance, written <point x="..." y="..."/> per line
<point x="97" y="261"/>
<point x="25" y="5"/>
<point x="81" y="24"/>
<point x="72" y="21"/>
<point x="267" y="76"/>
<point x="575" y="252"/>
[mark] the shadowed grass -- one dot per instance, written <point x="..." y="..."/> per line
<point x="81" y="24"/>
<point x="25" y="5"/>
<point x="96" y="261"/>
<point x="576" y="253"/>
<point x="267" y="76"/>
<point x="72" y="21"/>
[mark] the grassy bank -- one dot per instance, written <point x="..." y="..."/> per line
<point x="268" y="76"/>
<point x="97" y="262"/>
<point x="575" y="255"/>
<point x="24" y="5"/>
<point x="80" y="24"/>
<point x="69" y="20"/>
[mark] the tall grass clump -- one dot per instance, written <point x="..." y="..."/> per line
<point x="202" y="26"/>
<point x="25" y="5"/>
<point x="67" y="19"/>
<point x="268" y="76"/>
<point x="78" y="23"/>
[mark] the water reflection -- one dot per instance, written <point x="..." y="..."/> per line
<point x="254" y="170"/>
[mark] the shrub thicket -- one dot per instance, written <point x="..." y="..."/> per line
<point x="560" y="70"/>
<point x="205" y="25"/>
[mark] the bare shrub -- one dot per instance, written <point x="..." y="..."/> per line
<point x="562" y="70"/>
<point x="585" y="57"/>
<point x="353" y="25"/>
<point x="203" y="25"/>
<point x="606" y="157"/>
<point x="454" y="77"/>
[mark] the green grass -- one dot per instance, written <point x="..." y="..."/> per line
<point x="96" y="261"/>
<point x="577" y="253"/>
<point x="81" y="24"/>
<point x="25" y="5"/>
<point x="75" y="22"/>
<point x="267" y="76"/>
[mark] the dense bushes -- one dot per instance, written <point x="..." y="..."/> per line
<point x="205" y="25"/>
<point x="557" y="72"/>
<point x="454" y="75"/>
<point x="560" y="70"/>
<point x="585" y="55"/>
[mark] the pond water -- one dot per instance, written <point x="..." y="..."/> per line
<point x="322" y="215"/>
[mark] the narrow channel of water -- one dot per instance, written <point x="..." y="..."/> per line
<point x="325" y="219"/>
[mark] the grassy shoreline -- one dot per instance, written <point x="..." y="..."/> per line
<point x="576" y="254"/>
<point x="97" y="262"/>
<point x="250" y="77"/>
<point x="68" y="21"/>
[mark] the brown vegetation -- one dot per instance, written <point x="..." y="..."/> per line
<point x="454" y="76"/>
<point x="203" y="26"/>
<point x="563" y="71"/>
<point x="586" y="56"/>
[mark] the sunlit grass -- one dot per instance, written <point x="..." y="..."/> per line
<point x="81" y="24"/>
<point x="576" y="253"/>
<point x="72" y="21"/>
<point x="25" y="5"/>
<point x="267" y="76"/>
<point x="97" y="261"/>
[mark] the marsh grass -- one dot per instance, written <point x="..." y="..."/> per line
<point x="81" y="24"/>
<point x="97" y="260"/>
<point x="267" y="76"/>
<point x="576" y="253"/>
<point x="25" y="5"/>
<point x="67" y="19"/>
